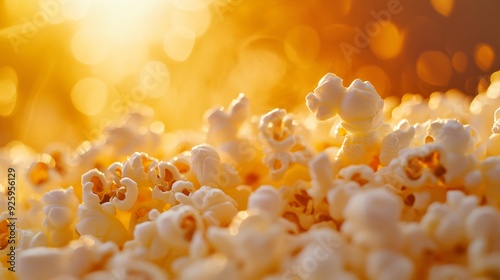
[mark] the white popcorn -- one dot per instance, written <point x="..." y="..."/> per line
<point x="448" y="271"/>
<point x="168" y="196"/>
<point x="60" y="214"/>
<point x="126" y="195"/>
<point x="224" y="126"/>
<point x="339" y="196"/>
<point x="361" y="110"/>
<point x="389" y="265"/>
<point x="326" y="98"/>
<point x="371" y="219"/>
<point x="266" y="199"/>
<point x="208" y="169"/>
<point x="412" y="108"/>
<point x="137" y="167"/>
<point x="99" y="219"/>
<point x="213" y="267"/>
<point x="415" y="242"/>
<point x="445" y="222"/>
<point x="483" y="228"/>
<point x="214" y="205"/>
<point x="299" y="206"/>
<point x="79" y="258"/>
<point x="253" y="241"/>
<point x="283" y="146"/>
<point x="396" y="141"/>
<point x="168" y="235"/>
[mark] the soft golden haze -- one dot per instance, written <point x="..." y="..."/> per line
<point x="78" y="65"/>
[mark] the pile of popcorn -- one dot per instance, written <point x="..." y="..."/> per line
<point x="357" y="188"/>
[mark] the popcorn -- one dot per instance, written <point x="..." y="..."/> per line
<point x="214" y="205"/>
<point x="79" y="259"/>
<point x="60" y="213"/>
<point x="419" y="200"/>
<point x="208" y="169"/>
<point x="223" y="126"/>
<point x="361" y="110"/>
<point x="371" y="219"/>
<point x="396" y="141"/>
<point x="386" y="264"/>
<point x="98" y="218"/>
<point x="445" y="222"/>
<point x="283" y="147"/>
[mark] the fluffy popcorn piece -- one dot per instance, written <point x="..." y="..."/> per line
<point x="396" y="141"/>
<point x="210" y="171"/>
<point x="338" y="198"/>
<point x="321" y="170"/>
<point x="482" y="227"/>
<point x="126" y="195"/>
<point x="326" y="98"/>
<point x="449" y="271"/>
<point x="223" y="126"/>
<point x="412" y="108"/>
<point x="266" y="199"/>
<point x="299" y="206"/>
<point x="169" y="234"/>
<point x="137" y="168"/>
<point x="60" y="215"/>
<point x="416" y="244"/>
<point x="489" y="179"/>
<point x="449" y="105"/>
<point x="213" y="267"/>
<point x="445" y="223"/>
<point x="389" y="265"/>
<point x="99" y="219"/>
<point x="284" y="147"/>
<point x="321" y="256"/>
<point x="253" y="241"/>
<point x="361" y="110"/>
<point x="214" y="205"/>
<point x="80" y="257"/>
<point x="168" y="196"/>
<point x="372" y="219"/>
<point x="416" y="167"/>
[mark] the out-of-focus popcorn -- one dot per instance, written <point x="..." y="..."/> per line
<point x="60" y="214"/>
<point x="354" y="190"/>
<point x="80" y="258"/>
<point x="371" y="219"/>
<point x="445" y="222"/>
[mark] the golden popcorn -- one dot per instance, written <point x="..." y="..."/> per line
<point x="232" y="139"/>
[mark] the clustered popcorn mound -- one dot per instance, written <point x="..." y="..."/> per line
<point x="362" y="189"/>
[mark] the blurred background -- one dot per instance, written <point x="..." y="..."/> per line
<point x="70" y="67"/>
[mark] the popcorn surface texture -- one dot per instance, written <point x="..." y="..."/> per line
<point x="407" y="193"/>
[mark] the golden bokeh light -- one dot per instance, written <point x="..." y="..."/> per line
<point x="484" y="56"/>
<point x="89" y="96"/>
<point x="459" y="61"/>
<point x="91" y="54"/>
<point x="165" y="54"/>
<point x="444" y="7"/>
<point x="434" y="67"/>
<point x="388" y="44"/>
<point x="178" y="42"/>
